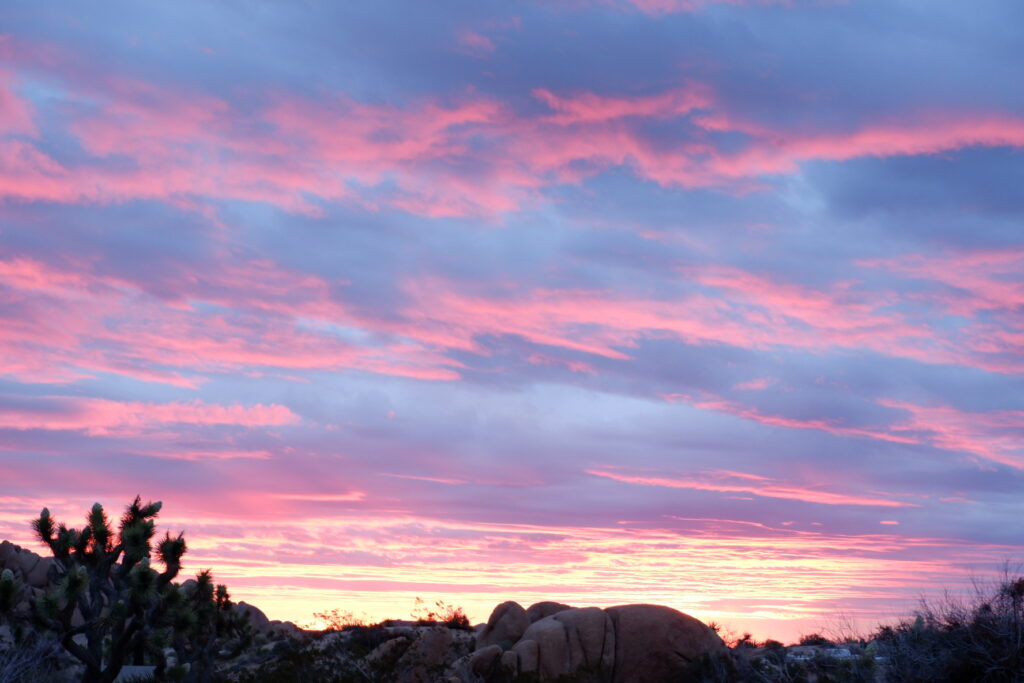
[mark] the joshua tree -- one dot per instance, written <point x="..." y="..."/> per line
<point x="107" y="605"/>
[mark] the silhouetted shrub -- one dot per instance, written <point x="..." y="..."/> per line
<point x="979" y="639"/>
<point x="814" y="639"/>
<point x="441" y="614"/>
<point x="338" y="620"/>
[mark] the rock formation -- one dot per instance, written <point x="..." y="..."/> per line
<point x="505" y="627"/>
<point x="655" y="643"/>
<point x="626" y="644"/>
<point x="27" y="566"/>
<point x="539" y="610"/>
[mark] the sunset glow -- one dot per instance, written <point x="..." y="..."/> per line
<point x="713" y="304"/>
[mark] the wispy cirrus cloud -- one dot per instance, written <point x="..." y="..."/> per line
<point x="992" y="436"/>
<point x="742" y="482"/>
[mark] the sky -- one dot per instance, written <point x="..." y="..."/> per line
<point x="718" y="305"/>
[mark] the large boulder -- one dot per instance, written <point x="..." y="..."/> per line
<point x="257" y="619"/>
<point x="527" y="656"/>
<point x="571" y="641"/>
<point x="39" y="575"/>
<point x="7" y="553"/>
<point x="539" y="610"/>
<point x="505" y="626"/>
<point x="508" y="665"/>
<point x="284" y="628"/>
<point x="654" y="643"/>
<point x="31" y="568"/>
<point x="481" y="663"/>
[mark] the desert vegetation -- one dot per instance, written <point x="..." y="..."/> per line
<point x="107" y="606"/>
<point x="978" y="637"/>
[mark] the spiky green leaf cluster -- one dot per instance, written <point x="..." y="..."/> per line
<point x="10" y="590"/>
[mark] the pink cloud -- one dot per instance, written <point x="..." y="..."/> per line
<point x="738" y="482"/>
<point x="433" y="480"/>
<point x="975" y="281"/>
<point x="832" y="426"/>
<point x="986" y="288"/>
<point x="349" y="497"/>
<point x="212" y="454"/>
<point x="658" y="7"/>
<point x="73" y="322"/>
<point x="188" y="147"/>
<point x="475" y="42"/>
<point x="591" y="108"/>
<point x="759" y="384"/>
<point x="995" y="436"/>
<point x="16" y="115"/>
<point x="101" y="416"/>
<point x="741" y="310"/>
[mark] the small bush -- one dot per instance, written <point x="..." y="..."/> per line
<point x="814" y="639"/>
<point x="441" y="613"/>
<point x="337" y="620"/>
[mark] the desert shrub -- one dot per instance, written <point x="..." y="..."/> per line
<point x="441" y="614"/>
<point x="980" y="638"/>
<point x="338" y="620"/>
<point x="814" y="639"/>
<point x="302" y="662"/>
<point x="773" y="664"/>
<point x="744" y="641"/>
<point x="827" y="669"/>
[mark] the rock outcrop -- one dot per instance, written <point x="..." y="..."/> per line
<point x="539" y="610"/>
<point x="257" y="619"/>
<point x="626" y="644"/>
<point x="27" y="566"/>
<point x="435" y="650"/>
<point x="570" y="641"/>
<point x="657" y="643"/>
<point x="506" y="625"/>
